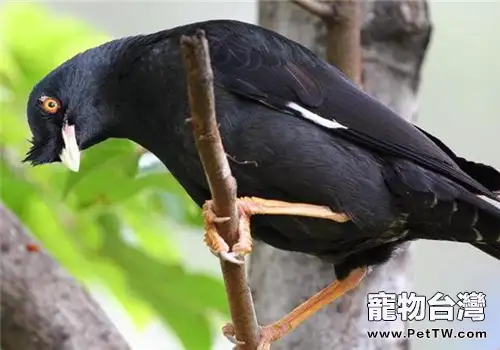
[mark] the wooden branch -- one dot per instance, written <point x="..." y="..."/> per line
<point x="344" y="39"/>
<point x="42" y="307"/>
<point x="315" y="7"/>
<point x="222" y="184"/>
<point x="343" y="21"/>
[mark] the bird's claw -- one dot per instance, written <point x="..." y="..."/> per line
<point x="232" y="257"/>
<point x="218" y="245"/>
<point x="230" y="334"/>
<point x="267" y="335"/>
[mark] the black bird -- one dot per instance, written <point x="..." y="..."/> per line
<point x="297" y="132"/>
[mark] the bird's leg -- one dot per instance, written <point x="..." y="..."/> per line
<point x="278" y="329"/>
<point x="254" y="205"/>
<point x="248" y="206"/>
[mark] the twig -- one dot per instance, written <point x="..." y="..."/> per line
<point x="343" y="21"/>
<point x="344" y="39"/>
<point x="42" y="306"/>
<point x="222" y="184"/>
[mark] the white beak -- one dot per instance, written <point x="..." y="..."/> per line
<point x="70" y="154"/>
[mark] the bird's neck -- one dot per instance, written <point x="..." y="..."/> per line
<point x="164" y="131"/>
<point x="150" y="108"/>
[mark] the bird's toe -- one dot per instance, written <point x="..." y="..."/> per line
<point x="232" y="257"/>
<point x="268" y="335"/>
<point x="230" y="334"/>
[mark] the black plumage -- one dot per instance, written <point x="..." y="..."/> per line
<point x="295" y="129"/>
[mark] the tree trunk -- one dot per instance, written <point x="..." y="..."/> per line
<point x="42" y="307"/>
<point x="394" y="36"/>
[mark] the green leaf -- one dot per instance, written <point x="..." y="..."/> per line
<point x="115" y="278"/>
<point x="9" y="70"/>
<point x="175" y="202"/>
<point x="193" y="329"/>
<point x="150" y="230"/>
<point x="12" y="129"/>
<point x="114" y="156"/>
<point x="16" y="199"/>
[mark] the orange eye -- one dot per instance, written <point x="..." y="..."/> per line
<point x="50" y="104"/>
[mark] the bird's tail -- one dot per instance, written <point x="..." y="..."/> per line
<point x="490" y="212"/>
<point x="465" y="217"/>
<point x="439" y="209"/>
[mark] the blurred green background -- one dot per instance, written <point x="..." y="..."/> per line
<point x="110" y="224"/>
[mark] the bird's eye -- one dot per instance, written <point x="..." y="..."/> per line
<point x="50" y="104"/>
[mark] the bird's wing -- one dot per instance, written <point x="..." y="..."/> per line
<point x="276" y="72"/>
<point x="485" y="174"/>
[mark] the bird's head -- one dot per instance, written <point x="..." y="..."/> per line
<point x="65" y="115"/>
<point x="113" y="90"/>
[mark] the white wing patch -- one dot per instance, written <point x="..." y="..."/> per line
<point x="306" y="114"/>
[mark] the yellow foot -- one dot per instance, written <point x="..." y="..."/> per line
<point x="248" y="206"/>
<point x="267" y="335"/>
<point x="218" y="245"/>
